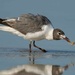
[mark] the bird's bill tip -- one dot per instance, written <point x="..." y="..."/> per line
<point x="67" y="39"/>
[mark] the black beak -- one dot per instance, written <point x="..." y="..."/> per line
<point x="67" y="39"/>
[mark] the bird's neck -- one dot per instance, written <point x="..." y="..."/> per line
<point x="49" y="35"/>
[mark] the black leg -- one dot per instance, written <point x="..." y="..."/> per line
<point x="30" y="46"/>
<point x="38" y="47"/>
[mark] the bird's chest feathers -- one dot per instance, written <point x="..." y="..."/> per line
<point x="49" y="34"/>
<point x="44" y="34"/>
<point x="35" y="36"/>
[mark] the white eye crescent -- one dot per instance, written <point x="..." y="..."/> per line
<point x="58" y="33"/>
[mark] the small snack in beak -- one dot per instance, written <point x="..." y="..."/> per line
<point x="72" y="43"/>
<point x="68" y="40"/>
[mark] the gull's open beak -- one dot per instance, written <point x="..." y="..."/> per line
<point x="65" y="38"/>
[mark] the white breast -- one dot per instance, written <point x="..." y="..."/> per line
<point x="49" y="34"/>
<point x="46" y="33"/>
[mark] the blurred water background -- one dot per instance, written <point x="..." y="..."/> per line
<point x="13" y="57"/>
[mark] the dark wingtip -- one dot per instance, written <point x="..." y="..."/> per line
<point x="1" y="20"/>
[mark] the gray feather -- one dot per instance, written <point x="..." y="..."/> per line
<point x="29" y="23"/>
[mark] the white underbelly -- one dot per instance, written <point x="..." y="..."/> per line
<point x="35" y="36"/>
<point x="29" y="36"/>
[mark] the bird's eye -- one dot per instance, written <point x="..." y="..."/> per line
<point x="59" y="33"/>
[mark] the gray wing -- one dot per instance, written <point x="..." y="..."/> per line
<point x="30" y="23"/>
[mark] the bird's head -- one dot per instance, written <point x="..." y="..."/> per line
<point x="59" y="34"/>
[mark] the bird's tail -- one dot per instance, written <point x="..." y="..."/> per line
<point x="5" y="27"/>
<point x="2" y="22"/>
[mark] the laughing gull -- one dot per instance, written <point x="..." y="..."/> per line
<point x="33" y="28"/>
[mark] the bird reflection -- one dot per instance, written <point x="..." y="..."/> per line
<point x="36" y="69"/>
<point x="31" y="58"/>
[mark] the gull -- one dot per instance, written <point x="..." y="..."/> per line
<point x="33" y="28"/>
